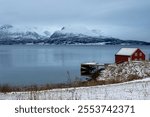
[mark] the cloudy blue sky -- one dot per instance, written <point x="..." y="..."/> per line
<point x="125" y="19"/>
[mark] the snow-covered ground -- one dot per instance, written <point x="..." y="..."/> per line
<point x="124" y="70"/>
<point x="134" y="90"/>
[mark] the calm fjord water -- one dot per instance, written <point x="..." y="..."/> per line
<point x="26" y="65"/>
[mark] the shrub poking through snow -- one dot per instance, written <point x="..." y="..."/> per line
<point x="127" y="71"/>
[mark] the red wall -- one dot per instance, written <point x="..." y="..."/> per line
<point x="121" y="58"/>
<point x="136" y="56"/>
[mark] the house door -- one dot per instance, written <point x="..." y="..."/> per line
<point x="129" y="58"/>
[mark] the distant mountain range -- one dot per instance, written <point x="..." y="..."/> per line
<point x="10" y="35"/>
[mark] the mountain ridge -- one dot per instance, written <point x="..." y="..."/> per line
<point x="10" y="35"/>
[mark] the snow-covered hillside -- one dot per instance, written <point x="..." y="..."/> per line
<point x="139" y="69"/>
<point x="18" y="34"/>
<point x="10" y="29"/>
<point x="79" y="31"/>
<point x="80" y="35"/>
<point x="134" y="90"/>
<point x="67" y="35"/>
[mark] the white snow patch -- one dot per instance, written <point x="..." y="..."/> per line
<point x="90" y="63"/>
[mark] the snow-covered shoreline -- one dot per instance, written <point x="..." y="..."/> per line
<point x="133" y="90"/>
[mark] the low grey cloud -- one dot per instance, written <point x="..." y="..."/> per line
<point x="126" y="19"/>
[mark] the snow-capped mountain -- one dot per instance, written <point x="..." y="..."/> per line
<point x="15" y="34"/>
<point x="23" y="30"/>
<point x="84" y="36"/>
<point x="67" y="35"/>
<point x="79" y="31"/>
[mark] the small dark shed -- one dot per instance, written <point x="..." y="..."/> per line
<point x="129" y="54"/>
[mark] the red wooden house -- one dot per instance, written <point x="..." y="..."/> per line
<point x="129" y="54"/>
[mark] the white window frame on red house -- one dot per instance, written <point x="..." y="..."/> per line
<point x="140" y="53"/>
<point x="136" y="54"/>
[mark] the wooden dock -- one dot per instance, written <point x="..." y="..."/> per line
<point x="89" y="69"/>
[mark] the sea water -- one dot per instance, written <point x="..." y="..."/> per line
<point x="41" y="64"/>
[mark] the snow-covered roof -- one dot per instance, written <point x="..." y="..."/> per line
<point x="90" y="63"/>
<point x="126" y="51"/>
